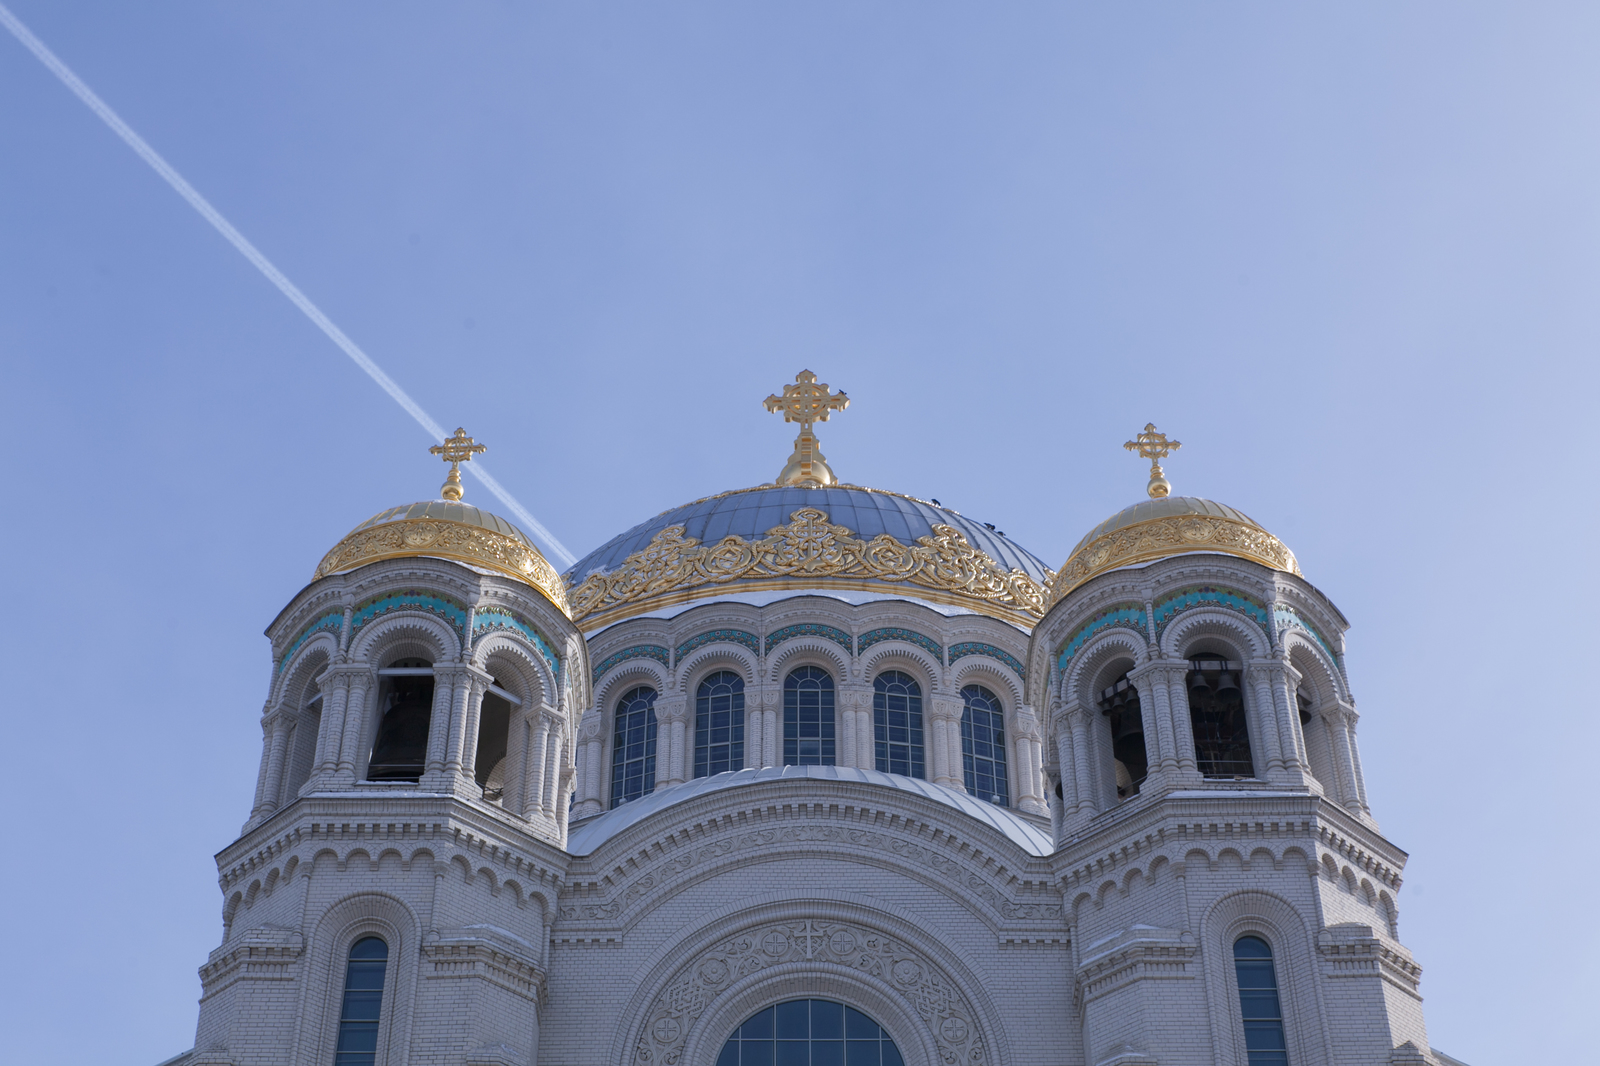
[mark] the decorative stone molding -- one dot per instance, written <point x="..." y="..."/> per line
<point x="1352" y="950"/>
<point x="489" y="954"/>
<point x="820" y="945"/>
<point x="1136" y="954"/>
<point x="266" y="953"/>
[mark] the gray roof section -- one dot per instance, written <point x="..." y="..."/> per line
<point x="751" y="513"/>
<point x="588" y="837"/>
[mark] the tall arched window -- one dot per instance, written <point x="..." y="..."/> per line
<point x="719" y="724"/>
<point x="1258" y="1003"/>
<point x="897" y="723"/>
<point x="400" y="750"/>
<point x="810" y="1032"/>
<point x="1120" y="703"/>
<point x="808" y="721"/>
<point x="1216" y="714"/>
<point x="363" y="1003"/>
<point x="633" y="746"/>
<point x="983" y="745"/>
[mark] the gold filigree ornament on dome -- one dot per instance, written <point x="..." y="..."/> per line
<point x="448" y="529"/>
<point x="1167" y="525"/>
<point x="807" y="402"/>
<point x="808" y="553"/>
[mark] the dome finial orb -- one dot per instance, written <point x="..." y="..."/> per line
<point x="807" y="402"/>
<point x="455" y="450"/>
<point x="1154" y="447"/>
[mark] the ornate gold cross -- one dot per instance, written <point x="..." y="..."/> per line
<point x="1154" y="447"/>
<point x="807" y="402"/>
<point x="456" y="450"/>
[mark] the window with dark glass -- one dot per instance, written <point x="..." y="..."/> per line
<point x="810" y="1032"/>
<point x="363" y="1003"/>
<point x="633" y="746"/>
<point x="719" y="724"/>
<point x="983" y="745"/>
<point x="808" y="722"/>
<point x="897" y="723"/>
<point x="1258" y="1003"/>
<point x="1216" y="715"/>
<point x="1119" y="702"/>
<point x="405" y="698"/>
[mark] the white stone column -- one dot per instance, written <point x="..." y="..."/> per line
<point x="1264" y="718"/>
<point x="282" y="724"/>
<point x="335" y="695"/>
<point x="1080" y="719"/>
<point x="944" y="716"/>
<point x="553" y="752"/>
<point x="772" y="727"/>
<point x="1337" y="720"/>
<point x="1156" y="714"/>
<point x="354" y="730"/>
<point x="589" y="754"/>
<point x="1350" y="719"/>
<point x="1177" y="678"/>
<point x="672" y="715"/>
<point x="259" y="802"/>
<point x="455" y="742"/>
<point x="1030" y="787"/>
<point x="1285" y="679"/>
<point x="539" y="721"/>
<point x="478" y="686"/>
<point x="753" y="720"/>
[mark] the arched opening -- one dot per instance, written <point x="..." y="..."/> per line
<point x="1119" y="702"/>
<point x="1216" y="715"/>
<point x="363" y="1003"/>
<point x="1315" y="732"/>
<point x="405" y="700"/>
<point x="810" y="1032"/>
<point x="719" y="724"/>
<point x="1258" y="1003"/>
<point x="983" y="746"/>
<point x="301" y="749"/>
<point x="897" y="724"/>
<point x="633" y="746"/>
<point x="494" y="740"/>
<point x="808" y="718"/>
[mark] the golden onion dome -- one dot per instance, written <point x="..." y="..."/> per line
<point x="446" y="529"/>
<point x="1171" y="525"/>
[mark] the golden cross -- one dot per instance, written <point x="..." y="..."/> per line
<point x="456" y="450"/>
<point x="806" y="402"/>
<point x="1154" y="447"/>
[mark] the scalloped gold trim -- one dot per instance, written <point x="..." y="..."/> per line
<point x="943" y="567"/>
<point x="1157" y="538"/>
<point x="442" y="539"/>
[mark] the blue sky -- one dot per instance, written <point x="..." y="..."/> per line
<point x="1347" y="253"/>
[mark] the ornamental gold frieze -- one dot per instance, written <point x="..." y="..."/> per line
<point x="674" y="568"/>
<point x="457" y="541"/>
<point x="1160" y="537"/>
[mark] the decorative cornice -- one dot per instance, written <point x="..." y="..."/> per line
<point x="444" y="539"/>
<point x="909" y="636"/>
<point x="638" y="651"/>
<point x="720" y="636"/>
<point x="1157" y="538"/>
<point x="804" y="554"/>
<point x="411" y="600"/>
<point x="965" y="648"/>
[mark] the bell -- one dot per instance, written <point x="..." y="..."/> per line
<point x="1227" y="683"/>
<point x="1198" y="685"/>
<point x="1130" y="723"/>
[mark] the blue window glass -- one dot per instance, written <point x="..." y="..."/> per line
<point x="897" y="723"/>
<point x="1258" y="1003"/>
<point x="633" y="747"/>
<point x="808" y="722"/>
<point x="719" y="724"/>
<point x="983" y="745"/>
<point x="810" y="1032"/>
<point x="363" y="1002"/>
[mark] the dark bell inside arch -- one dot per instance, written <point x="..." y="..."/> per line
<point x="401" y="748"/>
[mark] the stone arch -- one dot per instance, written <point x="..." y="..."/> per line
<point x="1094" y="660"/>
<point x="697" y="988"/>
<point x="976" y="670"/>
<point x="707" y="660"/>
<point x="532" y="681"/>
<point x="807" y="651"/>
<point x="1206" y="629"/>
<point x="907" y="658"/>
<point x="341" y="925"/>
<point x="1273" y="918"/>
<point x="404" y="635"/>
<point x="1307" y="657"/>
<point x="620" y="679"/>
<point x="310" y="659"/>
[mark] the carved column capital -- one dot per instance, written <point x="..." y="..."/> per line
<point x="945" y="708"/>
<point x="671" y="709"/>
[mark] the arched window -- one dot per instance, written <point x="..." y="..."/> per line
<point x="719" y="724"/>
<point x="983" y="745"/>
<point x="633" y="747"/>
<point x="808" y="718"/>
<point x="897" y="723"/>
<point x="1258" y="1003"/>
<point x="494" y="740"/>
<point x="810" y="1032"/>
<point x="1216" y="714"/>
<point x="400" y="750"/>
<point x="363" y="1003"/>
<point x="1120" y="703"/>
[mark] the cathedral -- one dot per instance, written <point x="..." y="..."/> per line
<point x="810" y="774"/>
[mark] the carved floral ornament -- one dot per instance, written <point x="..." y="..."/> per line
<point x="1171" y="535"/>
<point x="943" y="567"/>
<point x="821" y="946"/>
<point x="469" y="544"/>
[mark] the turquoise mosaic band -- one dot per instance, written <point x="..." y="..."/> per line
<point x="498" y="619"/>
<point x="720" y="636"/>
<point x="957" y="651"/>
<point x="329" y="622"/>
<point x="809" y="629"/>
<point x="910" y="636"/>
<point x="1122" y="616"/>
<point x="638" y="651"/>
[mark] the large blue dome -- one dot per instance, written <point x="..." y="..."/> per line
<point x="685" y="554"/>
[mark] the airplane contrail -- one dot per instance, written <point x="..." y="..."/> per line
<point x="273" y="274"/>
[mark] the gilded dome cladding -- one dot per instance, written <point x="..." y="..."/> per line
<point x="446" y="529"/>
<point x="1173" y="525"/>
<point x="794" y="537"/>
